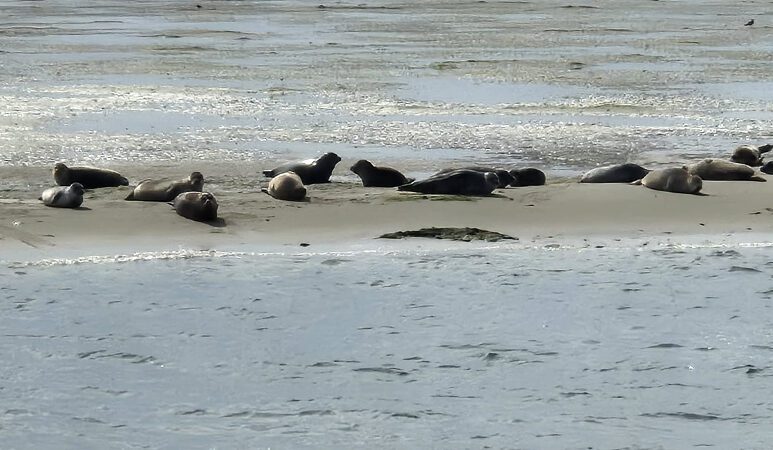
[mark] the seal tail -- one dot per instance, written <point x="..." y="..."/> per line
<point x="130" y="196"/>
<point x="757" y="178"/>
<point x="636" y="183"/>
<point x="268" y="173"/>
<point x="264" y="190"/>
<point x="409" y="180"/>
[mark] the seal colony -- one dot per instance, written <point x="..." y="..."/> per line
<point x="289" y="181"/>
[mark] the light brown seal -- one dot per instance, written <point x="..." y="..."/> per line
<point x="719" y="170"/>
<point x="674" y="179"/>
<point x="286" y="186"/>
<point x="166" y="190"/>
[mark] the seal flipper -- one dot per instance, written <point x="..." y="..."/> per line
<point x="757" y="178"/>
<point x="264" y="190"/>
<point x="130" y="196"/>
<point x="268" y="173"/>
<point x="636" y="183"/>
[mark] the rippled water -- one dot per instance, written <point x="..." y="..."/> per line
<point x="463" y="347"/>
<point x="565" y="86"/>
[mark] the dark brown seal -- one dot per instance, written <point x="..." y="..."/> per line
<point x="458" y="182"/>
<point x="311" y="171"/>
<point x="376" y="176"/>
<point x="201" y="206"/>
<point x="166" y="190"/>
<point x="88" y="177"/>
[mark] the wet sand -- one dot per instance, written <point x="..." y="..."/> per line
<point x="345" y="213"/>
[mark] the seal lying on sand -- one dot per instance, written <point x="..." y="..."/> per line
<point x="504" y="176"/>
<point x="63" y="197"/>
<point x="618" y="173"/>
<point x="674" y="179"/>
<point x="527" y="177"/>
<point x="201" y="206"/>
<point x="286" y="186"/>
<point x="373" y="176"/>
<point x="715" y="169"/>
<point x="311" y="171"/>
<point x="457" y="182"/>
<point x="88" y="177"/>
<point x="166" y="190"/>
<point x="751" y="155"/>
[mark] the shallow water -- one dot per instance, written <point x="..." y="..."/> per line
<point x="561" y="86"/>
<point x="400" y="346"/>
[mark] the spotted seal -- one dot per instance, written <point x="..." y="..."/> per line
<point x="201" y="206"/>
<point x="63" y="197"/>
<point x="751" y="155"/>
<point x="166" y="190"/>
<point x="88" y="177"/>
<point x="311" y="171"/>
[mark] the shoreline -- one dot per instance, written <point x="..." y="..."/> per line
<point x="339" y="216"/>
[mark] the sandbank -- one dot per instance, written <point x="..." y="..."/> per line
<point x="341" y="213"/>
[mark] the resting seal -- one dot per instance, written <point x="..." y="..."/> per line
<point x="751" y="155"/>
<point x="504" y="176"/>
<point x="527" y="177"/>
<point x="166" y="190"/>
<point x="63" y="197"/>
<point x="457" y="182"/>
<point x="674" y="179"/>
<point x="201" y="206"/>
<point x="286" y="186"/>
<point x="714" y="169"/>
<point x="617" y="173"/>
<point x="373" y="176"/>
<point x="88" y="177"/>
<point x="311" y="171"/>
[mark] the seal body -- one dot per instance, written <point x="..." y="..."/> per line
<point x="88" y="177"/>
<point x="166" y="190"/>
<point x="674" y="179"/>
<point x="286" y="186"/>
<point x="767" y="167"/>
<point x="374" y="176"/>
<point x="63" y="197"/>
<point x="504" y="176"/>
<point x="715" y="169"/>
<point x="457" y="182"/>
<point x="617" y="173"/>
<point x="311" y="171"/>
<point x="201" y="206"/>
<point x="527" y="177"/>
<point x="751" y="155"/>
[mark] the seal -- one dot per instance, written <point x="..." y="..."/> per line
<point x="375" y="176"/>
<point x="504" y="176"/>
<point x="63" y="197"/>
<point x="201" y="206"/>
<point x="674" y="179"/>
<point x="751" y="155"/>
<point x="88" y="177"/>
<point x="166" y="190"/>
<point x="286" y="186"/>
<point x="718" y="170"/>
<point x="767" y="168"/>
<point x="457" y="182"/>
<point x="527" y="177"/>
<point x="617" y="173"/>
<point x="311" y="171"/>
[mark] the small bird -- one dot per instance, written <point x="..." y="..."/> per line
<point x="749" y="23"/>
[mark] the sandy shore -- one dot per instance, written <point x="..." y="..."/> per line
<point x="338" y="214"/>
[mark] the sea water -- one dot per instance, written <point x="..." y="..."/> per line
<point x="405" y="346"/>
